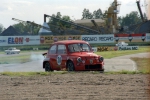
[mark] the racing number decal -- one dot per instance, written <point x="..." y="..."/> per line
<point x="59" y="59"/>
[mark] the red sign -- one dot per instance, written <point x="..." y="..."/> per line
<point x="42" y="39"/>
<point x="27" y="39"/>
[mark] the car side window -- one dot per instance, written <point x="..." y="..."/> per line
<point x="52" y="50"/>
<point x="61" y="49"/>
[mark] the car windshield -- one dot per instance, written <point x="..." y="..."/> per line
<point x="79" y="47"/>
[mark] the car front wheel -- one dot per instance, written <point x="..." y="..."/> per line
<point x="70" y="66"/>
<point x="47" y="67"/>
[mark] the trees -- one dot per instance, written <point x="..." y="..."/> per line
<point x="26" y="29"/>
<point x="58" y="24"/>
<point x="97" y="14"/>
<point x="1" y="28"/>
<point x="86" y="14"/>
<point x="130" y="19"/>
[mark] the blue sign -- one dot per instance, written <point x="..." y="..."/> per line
<point x="15" y="40"/>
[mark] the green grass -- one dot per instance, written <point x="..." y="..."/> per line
<point x="105" y="54"/>
<point x="2" y="52"/>
<point x="65" y="72"/>
<point x="14" y="59"/>
<point x="143" y="64"/>
<point x="111" y="54"/>
<point x="31" y="73"/>
<point x="17" y="58"/>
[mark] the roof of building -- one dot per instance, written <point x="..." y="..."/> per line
<point x="10" y="31"/>
<point x="70" y="41"/>
<point x="44" y="31"/>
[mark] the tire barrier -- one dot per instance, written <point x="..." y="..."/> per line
<point x="105" y="48"/>
<point x="100" y="49"/>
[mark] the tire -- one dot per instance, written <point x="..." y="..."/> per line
<point x="70" y="66"/>
<point x="101" y="71"/>
<point x="47" y="67"/>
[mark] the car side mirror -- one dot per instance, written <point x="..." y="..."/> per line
<point x="44" y="54"/>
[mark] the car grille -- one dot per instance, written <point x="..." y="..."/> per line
<point x="97" y="66"/>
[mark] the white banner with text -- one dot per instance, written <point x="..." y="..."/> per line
<point x="128" y="48"/>
<point x="19" y="40"/>
<point x="147" y="37"/>
<point x="98" y="38"/>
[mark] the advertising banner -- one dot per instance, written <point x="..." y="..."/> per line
<point x="130" y="37"/>
<point x="52" y="39"/>
<point x="105" y="48"/>
<point x="31" y="40"/>
<point x="98" y="38"/>
<point x="147" y="37"/>
<point x="19" y="40"/>
<point x="46" y="39"/>
<point x="128" y="48"/>
<point x="3" y="41"/>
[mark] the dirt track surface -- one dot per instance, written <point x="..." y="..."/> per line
<point x="75" y="86"/>
<point x="138" y="55"/>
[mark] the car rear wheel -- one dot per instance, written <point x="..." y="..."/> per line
<point x="70" y="66"/>
<point x="47" y="67"/>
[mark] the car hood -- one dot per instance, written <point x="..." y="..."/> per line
<point x="84" y="54"/>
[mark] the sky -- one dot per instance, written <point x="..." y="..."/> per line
<point x="34" y="10"/>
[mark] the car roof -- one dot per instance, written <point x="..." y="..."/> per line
<point x="70" y="42"/>
<point x="11" y="47"/>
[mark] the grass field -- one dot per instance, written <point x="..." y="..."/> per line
<point x="105" y="54"/>
<point x="14" y="59"/>
<point x="111" y="54"/>
<point x="143" y="64"/>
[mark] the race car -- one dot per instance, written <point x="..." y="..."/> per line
<point x="72" y="55"/>
<point x="12" y="50"/>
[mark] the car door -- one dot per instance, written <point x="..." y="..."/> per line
<point x="10" y="50"/>
<point x="52" y="56"/>
<point x="61" y="56"/>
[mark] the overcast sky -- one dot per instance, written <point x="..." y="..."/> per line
<point x="34" y="10"/>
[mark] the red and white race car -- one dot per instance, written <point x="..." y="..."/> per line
<point x="72" y="55"/>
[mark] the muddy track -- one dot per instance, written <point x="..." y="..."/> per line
<point x="75" y="86"/>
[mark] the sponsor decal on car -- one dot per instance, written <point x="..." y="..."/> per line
<point x="91" y="61"/>
<point x="59" y="59"/>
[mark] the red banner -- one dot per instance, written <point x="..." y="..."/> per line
<point x="130" y="37"/>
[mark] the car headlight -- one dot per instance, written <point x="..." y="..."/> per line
<point x="101" y="59"/>
<point x="79" y="60"/>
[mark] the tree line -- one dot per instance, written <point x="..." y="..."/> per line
<point x="127" y="20"/>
